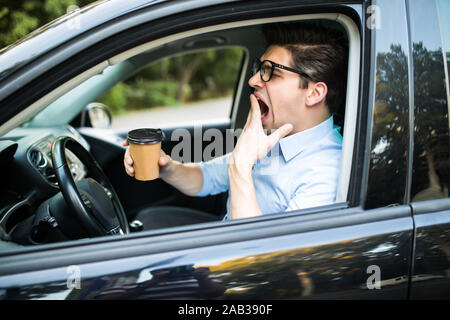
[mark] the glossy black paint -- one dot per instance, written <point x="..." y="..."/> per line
<point x="431" y="268"/>
<point x="390" y="132"/>
<point x="326" y="253"/>
<point x="317" y="255"/>
<point x="431" y="164"/>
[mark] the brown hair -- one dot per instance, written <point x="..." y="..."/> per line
<point x="316" y="50"/>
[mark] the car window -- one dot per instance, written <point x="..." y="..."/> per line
<point x="430" y="179"/>
<point x="185" y="88"/>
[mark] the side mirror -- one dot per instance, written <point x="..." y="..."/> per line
<point x="96" y="115"/>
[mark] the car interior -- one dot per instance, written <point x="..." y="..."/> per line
<point x="46" y="152"/>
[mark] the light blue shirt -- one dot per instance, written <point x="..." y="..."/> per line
<point x="301" y="171"/>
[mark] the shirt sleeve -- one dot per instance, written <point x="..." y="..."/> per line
<point x="215" y="176"/>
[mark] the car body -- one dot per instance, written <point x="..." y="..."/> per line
<point x="386" y="237"/>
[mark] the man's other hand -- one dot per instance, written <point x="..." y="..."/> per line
<point x="253" y="143"/>
<point x="164" y="162"/>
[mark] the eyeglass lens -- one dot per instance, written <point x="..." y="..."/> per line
<point x="265" y="69"/>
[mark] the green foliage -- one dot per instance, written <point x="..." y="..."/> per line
<point x="116" y="98"/>
<point x="139" y="95"/>
<point x="180" y="79"/>
<point x="391" y="121"/>
<point x="19" y="17"/>
<point x="151" y="93"/>
<point x="58" y="7"/>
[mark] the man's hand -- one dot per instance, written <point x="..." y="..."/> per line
<point x="164" y="162"/>
<point x="186" y="177"/>
<point x="253" y="143"/>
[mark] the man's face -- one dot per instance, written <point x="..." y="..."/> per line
<point x="281" y="99"/>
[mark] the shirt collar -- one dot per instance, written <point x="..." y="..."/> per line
<point x="296" y="143"/>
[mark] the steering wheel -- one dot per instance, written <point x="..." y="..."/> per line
<point x="93" y="200"/>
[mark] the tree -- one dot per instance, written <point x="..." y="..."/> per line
<point x="431" y="126"/>
<point x="180" y="79"/>
<point x="391" y="125"/>
<point x="19" y="17"/>
<point x="390" y="128"/>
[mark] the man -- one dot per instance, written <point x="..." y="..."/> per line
<point x="288" y="154"/>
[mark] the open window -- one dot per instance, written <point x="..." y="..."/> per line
<point x="246" y="37"/>
<point x="231" y="47"/>
<point x="130" y="79"/>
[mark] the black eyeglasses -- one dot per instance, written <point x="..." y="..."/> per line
<point x="266" y="68"/>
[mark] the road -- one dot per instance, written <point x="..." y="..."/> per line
<point x="162" y="116"/>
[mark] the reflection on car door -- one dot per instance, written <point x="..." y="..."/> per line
<point x="330" y="253"/>
<point x="431" y="162"/>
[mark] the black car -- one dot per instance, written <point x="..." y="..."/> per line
<point x="68" y="208"/>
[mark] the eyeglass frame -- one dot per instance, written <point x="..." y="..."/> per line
<point x="275" y="65"/>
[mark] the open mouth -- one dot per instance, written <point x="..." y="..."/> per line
<point x="263" y="107"/>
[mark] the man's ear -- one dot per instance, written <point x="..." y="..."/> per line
<point x="316" y="93"/>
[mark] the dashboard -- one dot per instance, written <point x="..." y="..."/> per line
<point x="40" y="157"/>
<point x="28" y="178"/>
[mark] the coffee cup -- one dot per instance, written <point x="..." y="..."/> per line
<point x="145" y="147"/>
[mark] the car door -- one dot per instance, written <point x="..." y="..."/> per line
<point x="430" y="176"/>
<point x="357" y="248"/>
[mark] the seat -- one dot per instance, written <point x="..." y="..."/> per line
<point x="170" y="216"/>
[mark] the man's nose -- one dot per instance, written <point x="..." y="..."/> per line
<point x="255" y="81"/>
